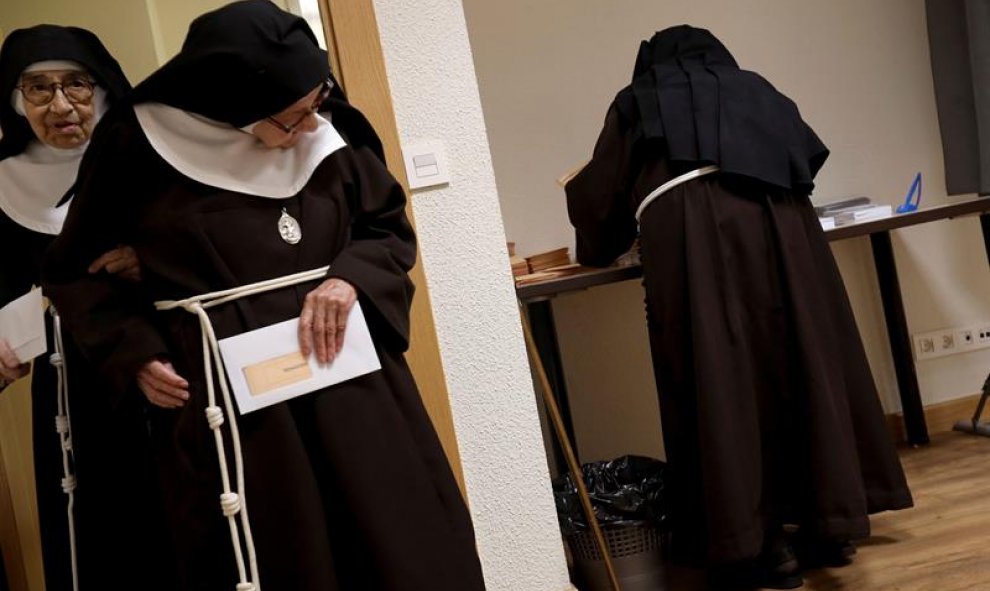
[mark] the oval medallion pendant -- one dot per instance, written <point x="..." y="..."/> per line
<point x="288" y="228"/>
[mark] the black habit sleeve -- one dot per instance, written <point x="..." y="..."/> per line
<point x="599" y="202"/>
<point x="381" y="250"/>
<point x="21" y="270"/>
<point x="112" y="325"/>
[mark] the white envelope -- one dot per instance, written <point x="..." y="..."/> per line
<point x="265" y="366"/>
<point x="22" y="324"/>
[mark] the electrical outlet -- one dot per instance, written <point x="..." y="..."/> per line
<point x="982" y="334"/>
<point x="925" y="346"/>
<point x="966" y="339"/>
<point x="946" y="342"/>
<point x="949" y="341"/>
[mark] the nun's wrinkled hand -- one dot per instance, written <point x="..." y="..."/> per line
<point x="324" y="319"/>
<point x="122" y="261"/>
<point x="162" y="386"/>
<point x="11" y="367"/>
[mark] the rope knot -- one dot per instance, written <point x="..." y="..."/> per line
<point x="68" y="484"/>
<point x="214" y="416"/>
<point x="67" y="444"/>
<point x="62" y="423"/>
<point x="55" y="359"/>
<point x="230" y="503"/>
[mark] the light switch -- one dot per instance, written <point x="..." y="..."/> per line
<point x="426" y="164"/>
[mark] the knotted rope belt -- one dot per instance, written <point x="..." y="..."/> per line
<point x="63" y="426"/>
<point x="232" y="500"/>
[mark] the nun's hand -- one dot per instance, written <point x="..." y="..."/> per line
<point x="122" y="261"/>
<point x="11" y="367"/>
<point x="324" y="319"/>
<point x="162" y="386"/>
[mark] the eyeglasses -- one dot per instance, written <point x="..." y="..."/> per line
<point x="41" y="91"/>
<point x="325" y="89"/>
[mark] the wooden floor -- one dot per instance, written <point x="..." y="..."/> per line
<point x="943" y="543"/>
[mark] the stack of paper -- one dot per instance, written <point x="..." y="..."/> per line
<point x="864" y="214"/>
<point x="551" y="273"/>
<point x="519" y="266"/>
<point x="852" y="210"/>
<point x="22" y="325"/>
<point x="829" y="209"/>
<point x="548" y="260"/>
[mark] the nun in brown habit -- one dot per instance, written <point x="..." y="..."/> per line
<point x="770" y="413"/>
<point x="236" y="163"/>
<point x="100" y="521"/>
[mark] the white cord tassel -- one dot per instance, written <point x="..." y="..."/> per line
<point x="233" y="502"/>
<point x="63" y="426"/>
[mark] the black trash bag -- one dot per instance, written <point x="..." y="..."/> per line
<point x="625" y="491"/>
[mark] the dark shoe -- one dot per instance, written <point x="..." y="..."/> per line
<point x="818" y="552"/>
<point x="754" y="575"/>
<point x="779" y="559"/>
<point x="769" y="580"/>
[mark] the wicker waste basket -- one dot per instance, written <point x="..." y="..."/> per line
<point x="636" y="554"/>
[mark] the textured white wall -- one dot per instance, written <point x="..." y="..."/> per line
<point x="435" y="92"/>
<point x="859" y="72"/>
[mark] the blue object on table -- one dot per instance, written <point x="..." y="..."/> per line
<point x="910" y="203"/>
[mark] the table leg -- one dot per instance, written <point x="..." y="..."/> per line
<point x="985" y="224"/>
<point x="900" y="339"/>
<point x="541" y="320"/>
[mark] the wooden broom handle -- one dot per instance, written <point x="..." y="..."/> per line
<point x="572" y="463"/>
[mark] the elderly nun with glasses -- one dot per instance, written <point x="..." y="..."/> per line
<point x="291" y="441"/>
<point x="96" y="525"/>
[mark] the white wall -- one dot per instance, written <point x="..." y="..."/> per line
<point x="859" y="72"/>
<point x="170" y="21"/>
<point x="141" y="34"/>
<point x="122" y="25"/>
<point x="435" y="92"/>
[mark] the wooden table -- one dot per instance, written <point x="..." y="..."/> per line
<point x="537" y="296"/>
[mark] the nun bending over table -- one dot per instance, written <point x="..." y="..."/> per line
<point x="771" y="419"/>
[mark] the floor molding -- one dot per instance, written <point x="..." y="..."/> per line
<point x="940" y="416"/>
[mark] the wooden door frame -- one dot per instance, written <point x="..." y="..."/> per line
<point x="354" y="44"/>
<point x="11" y="552"/>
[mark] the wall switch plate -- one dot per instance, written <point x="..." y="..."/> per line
<point x="426" y="164"/>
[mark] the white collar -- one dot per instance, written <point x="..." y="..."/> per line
<point x="33" y="182"/>
<point x="219" y="155"/>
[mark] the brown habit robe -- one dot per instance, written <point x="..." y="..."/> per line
<point x="770" y="414"/>
<point x="349" y="488"/>
<point x="116" y="517"/>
